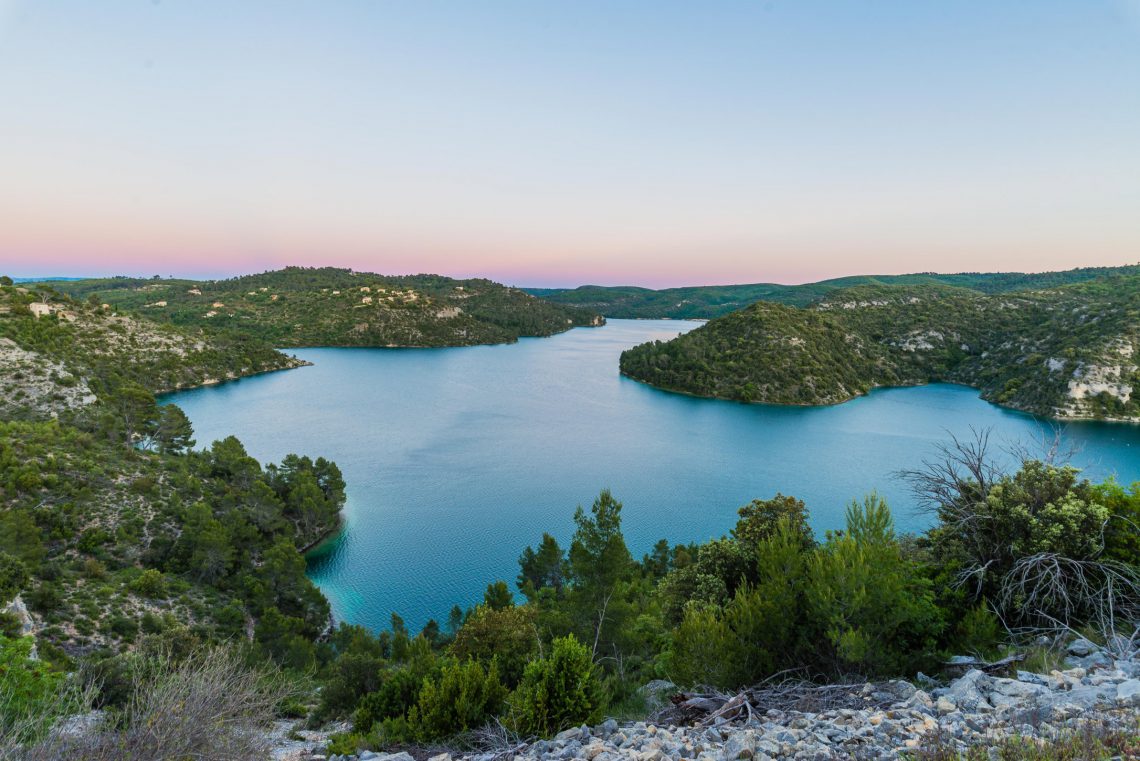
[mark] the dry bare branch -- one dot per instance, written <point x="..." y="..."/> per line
<point x="208" y="706"/>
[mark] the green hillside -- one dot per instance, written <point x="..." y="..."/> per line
<point x="326" y="306"/>
<point x="122" y="531"/>
<point x="701" y="302"/>
<point x="62" y="354"/>
<point x="1065" y="352"/>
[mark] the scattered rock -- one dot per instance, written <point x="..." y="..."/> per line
<point x="1082" y="647"/>
<point x="739" y="745"/>
<point x="1128" y="693"/>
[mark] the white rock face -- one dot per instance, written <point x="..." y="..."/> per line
<point x="1110" y="374"/>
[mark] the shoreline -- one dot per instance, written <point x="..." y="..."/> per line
<point x="981" y="395"/>
<point x="327" y="537"/>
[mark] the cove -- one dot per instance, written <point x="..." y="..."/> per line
<point x="457" y="459"/>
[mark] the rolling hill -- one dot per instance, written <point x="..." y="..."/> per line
<point x="707" y="302"/>
<point x="327" y="306"/>
<point x="1066" y="352"/>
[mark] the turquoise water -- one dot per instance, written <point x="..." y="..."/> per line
<point x="456" y="459"/>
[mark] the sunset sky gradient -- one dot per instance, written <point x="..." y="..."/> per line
<point x="652" y="142"/>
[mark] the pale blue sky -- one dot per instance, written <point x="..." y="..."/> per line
<point x="557" y="143"/>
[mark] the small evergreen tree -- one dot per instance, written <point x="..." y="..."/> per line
<point x="462" y="698"/>
<point x="874" y="612"/>
<point x="560" y="691"/>
<point x="498" y="596"/>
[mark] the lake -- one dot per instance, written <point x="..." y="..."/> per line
<point x="457" y="459"/>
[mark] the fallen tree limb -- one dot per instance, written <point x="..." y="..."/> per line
<point x="713" y="708"/>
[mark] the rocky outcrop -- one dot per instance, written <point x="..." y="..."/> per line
<point x="897" y="717"/>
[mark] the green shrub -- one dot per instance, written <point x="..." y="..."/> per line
<point x="13" y="577"/>
<point x="874" y="610"/>
<point x="150" y="583"/>
<point x="151" y="624"/>
<point x="463" y="697"/>
<point x="123" y="626"/>
<point x="557" y="692"/>
<point x="979" y="631"/>
<point x="1042" y="509"/>
<point x="346" y="744"/>
<point x="398" y="691"/>
<point x="1122" y="532"/>
<point x="702" y="650"/>
<point x="759" y="630"/>
<point x="352" y="676"/>
<point x="93" y="569"/>
<point x="30" y="690"/>
<point x="508" y="635"/>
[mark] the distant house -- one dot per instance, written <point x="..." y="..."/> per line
<point x="336" y="293"/>
<point x="365" y="289"/>
<point x="157" y="304"/>
<point x="217" y="304"/>
<point x="40" y="309"/>
<point x="366" y="300"/>
<point x="194" y="292"/>
<point x="211" y="313"/>
<point x="68" y="315"/>
<point x="273" y="297"/>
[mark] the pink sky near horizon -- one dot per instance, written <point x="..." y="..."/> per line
<point x="105" y="248"/>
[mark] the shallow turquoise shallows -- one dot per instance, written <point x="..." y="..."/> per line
<point x="456" y="459"/>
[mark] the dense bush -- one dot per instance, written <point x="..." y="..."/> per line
<point x="1041" y="545"/>
<point x="876" y="613"/>
<point x="13" y="577"/>
<point x="852" y="605"/>
<point x="463" y="697"/>
<point x="508" y="635"/>
<point x="29" y="691"/>
<point x="557" y="692"/>
<point x="1122" y="531"/>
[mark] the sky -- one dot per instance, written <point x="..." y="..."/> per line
<point x="559" y="142"/>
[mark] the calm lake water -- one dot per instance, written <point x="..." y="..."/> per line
<point x="456" y="459"/>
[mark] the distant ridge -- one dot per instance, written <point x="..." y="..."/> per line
<point x="717" y="300"/>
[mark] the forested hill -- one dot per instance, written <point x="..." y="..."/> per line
<point x="717" y="300"/>
<point x="1067" y="352"/>
<point x="300" y="306"/>
<point x="59" y="354"/>
<point x="111" y="526"/>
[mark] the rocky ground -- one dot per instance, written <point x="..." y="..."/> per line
<point x="873" y="721"/>
<point x="31" y="382"/>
